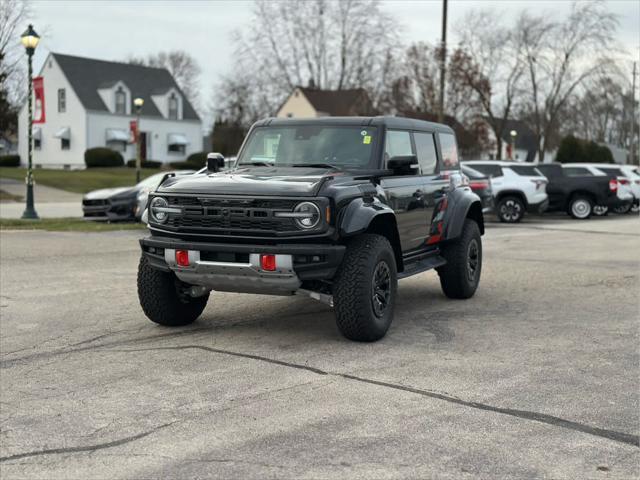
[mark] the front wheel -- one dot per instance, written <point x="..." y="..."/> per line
<point x="364" y="292"/>
<point x="164" y="298"/>
<point x="460" y="276"/>
<point x="581" y="207"/>
<point x="510" y="209"/>
<point x="623" y="209"/>
<point x="600" y="210"/>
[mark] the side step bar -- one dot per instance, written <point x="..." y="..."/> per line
<point x="422" y="265"/>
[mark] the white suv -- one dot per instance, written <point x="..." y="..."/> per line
<point x="517" y="187"/>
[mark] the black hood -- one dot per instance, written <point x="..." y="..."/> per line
<point x="276" y="181"/>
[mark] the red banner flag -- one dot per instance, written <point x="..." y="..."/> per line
<point x="38" y="96"/>
<point x="133" y="131"/>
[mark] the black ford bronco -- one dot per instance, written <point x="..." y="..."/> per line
<point x="337" y="209"/>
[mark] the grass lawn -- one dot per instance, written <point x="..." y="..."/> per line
<point x="66" y="225"/>
<point x="80" y="181"/>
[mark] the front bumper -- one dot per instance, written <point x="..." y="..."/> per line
<point x="109" y="211"/>
<point x="615" y="201"/>
<point x="236" y="267"/>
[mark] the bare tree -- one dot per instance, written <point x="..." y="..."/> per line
<point x="321" y="43"/>
<point x="182" y="66"/>
<point x="490" y="63"/>
<point x="560" y="57"/>
<point x="13" y="20"/>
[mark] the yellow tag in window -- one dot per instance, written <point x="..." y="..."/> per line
<point x="366" y="139"/>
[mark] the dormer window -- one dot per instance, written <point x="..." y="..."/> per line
<point x="173" y="107"/>
<point x="121" y="101"/>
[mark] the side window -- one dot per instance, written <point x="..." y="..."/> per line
<point x="398" y="143"/>
<point x="426" y="149"/>
<point x="576" y="171"/>
<point x="494" y="171"/>
<point x="449" y="151"/>
<point x="525" y="171"/>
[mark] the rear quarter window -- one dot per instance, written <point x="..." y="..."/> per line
<point x="526" y="171"/>
<point x="449" y="149"/>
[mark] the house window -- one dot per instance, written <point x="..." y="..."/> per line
<point x="37" y="144"/>
<point x="176" y="148"/>
<point x="62" y="100"/>
<point x="173" y="107"/>
<point x="121" y="102"/>
<point x="65" y="144"/>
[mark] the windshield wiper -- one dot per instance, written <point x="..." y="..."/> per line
<point x="315" y="165"/>
<point x="255" y="164"/>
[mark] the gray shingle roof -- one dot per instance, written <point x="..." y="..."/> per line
<point x="87" y="75"/>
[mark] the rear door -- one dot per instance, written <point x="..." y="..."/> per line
<point x="405" y="193"/>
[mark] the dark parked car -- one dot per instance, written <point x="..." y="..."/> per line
<point x="577" y="195"/>
<point x="117" y="204"/>
<point x="481" y="186"/>
<point x="337" y="209"/>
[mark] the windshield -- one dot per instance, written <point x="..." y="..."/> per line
<point x="342" y="147"/>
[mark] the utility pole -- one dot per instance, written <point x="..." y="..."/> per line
<point x="443" y="60"/>
<point x="635" y="154"/>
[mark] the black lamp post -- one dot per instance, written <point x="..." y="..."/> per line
<point x="138" y="103"/>
<point x="30" y="41"/>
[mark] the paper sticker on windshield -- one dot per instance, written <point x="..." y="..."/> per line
<point x="363" y="133"/>
<point x="366" y="139"/>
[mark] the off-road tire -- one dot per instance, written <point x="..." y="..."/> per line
<point x="580" y="207"/>
<point x="353" y="289"/>
<point x="510" y="209"/>
<point x="161" y="300"/>
<point x="455" y="277"/>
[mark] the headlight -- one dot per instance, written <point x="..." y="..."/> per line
<point x="160" y="210"/>
<point x="306" y="215"/>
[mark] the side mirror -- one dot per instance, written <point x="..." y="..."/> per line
<point x="215" y="162"/>
<point x="403" y="164"/>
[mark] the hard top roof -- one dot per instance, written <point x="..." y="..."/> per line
<point x="389" y="122"/>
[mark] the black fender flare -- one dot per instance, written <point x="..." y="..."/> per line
<point x="462" y="205"/>
<point x="357" y="216"/>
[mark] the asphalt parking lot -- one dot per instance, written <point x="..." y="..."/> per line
<point x="536" y="376"/>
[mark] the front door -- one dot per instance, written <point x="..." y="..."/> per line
<point x="143" y="146"/>
<point x="434" y="185"/>
<point x="405" y="194"/>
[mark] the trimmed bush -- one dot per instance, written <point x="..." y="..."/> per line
<point x="198" y="158"/>
<point x="576" y="150"/>
<point x="103" y="157"/>
<point x="145" y="163"/>
<point x="184" y="166"/>
<point x="9" y="160"/>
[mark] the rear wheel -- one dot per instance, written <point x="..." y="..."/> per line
<point x="365" y="289"/>
<point x="510" y="209"/>
<point x="460" y="277"/>
<point x="580" y="207"/>
<point x="164" y="298"/>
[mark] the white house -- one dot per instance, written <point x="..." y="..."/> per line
<point x="89" y="103"/>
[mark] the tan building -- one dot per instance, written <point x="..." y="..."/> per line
<point x="311" y="103"/>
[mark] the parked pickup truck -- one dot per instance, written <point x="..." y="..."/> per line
<point x="577" y="195"/>
<point x="336" y="209"/>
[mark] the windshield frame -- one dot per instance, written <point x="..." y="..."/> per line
<point x="371" y="164"/>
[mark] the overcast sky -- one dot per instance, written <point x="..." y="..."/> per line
<point x="112" y="30"/>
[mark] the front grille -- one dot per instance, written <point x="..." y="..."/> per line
<point x="94" y="203"/>
<point x="231" y="216"/>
